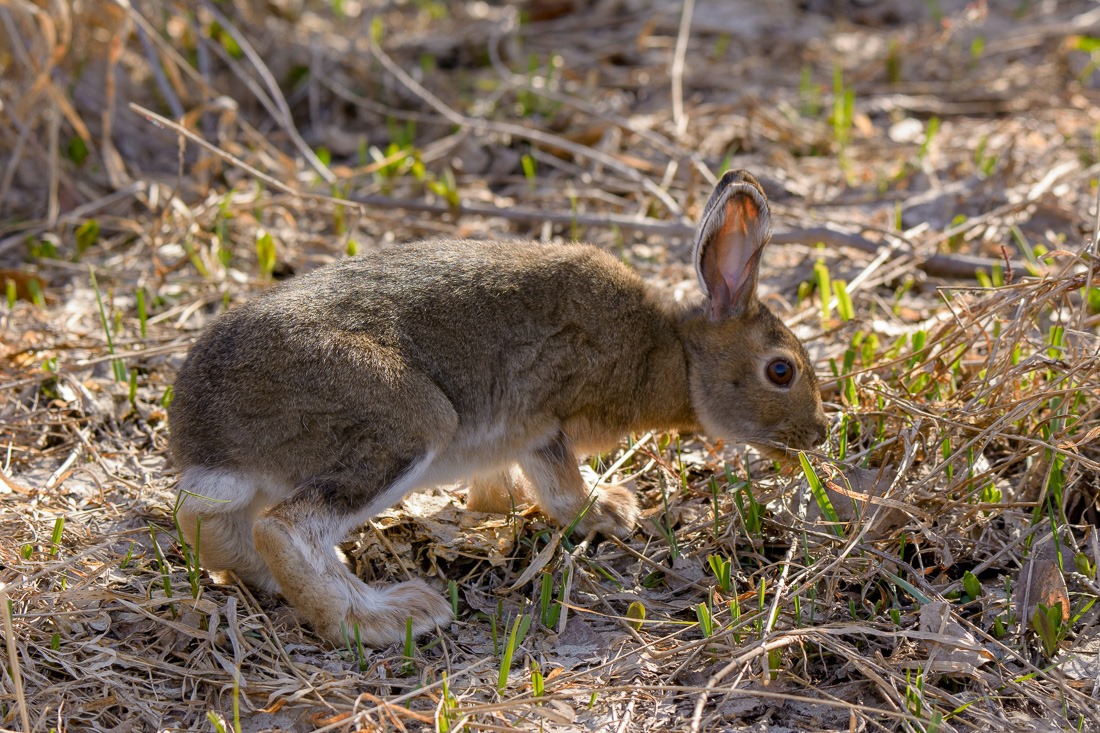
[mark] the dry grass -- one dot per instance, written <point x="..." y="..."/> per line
<point x="963" y="469"/>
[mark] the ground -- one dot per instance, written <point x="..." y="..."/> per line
<point x="933" y="174"/>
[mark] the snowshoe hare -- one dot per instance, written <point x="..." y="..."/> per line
<point x="327" y="399"/>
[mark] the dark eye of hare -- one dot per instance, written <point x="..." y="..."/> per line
<point x="780" y="371"/>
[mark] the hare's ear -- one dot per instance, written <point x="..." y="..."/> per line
<point x="735" y="226"/>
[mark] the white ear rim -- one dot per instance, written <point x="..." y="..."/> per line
<point x="713" y="219"/>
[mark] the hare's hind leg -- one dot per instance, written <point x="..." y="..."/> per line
<point x="402" y="425"/>
<point x="562" y="493"/>
<point x="297" y="536"/>
<point x="215" y="510"/>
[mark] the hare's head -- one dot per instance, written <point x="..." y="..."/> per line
<point x="751" y="379"/>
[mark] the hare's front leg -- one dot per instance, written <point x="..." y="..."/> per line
<point x="500" y="492"/>
<point x="562" y="493"/>
<point x="296" y="538"/>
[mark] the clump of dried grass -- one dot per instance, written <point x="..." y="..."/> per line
<point x="974" y="452"/>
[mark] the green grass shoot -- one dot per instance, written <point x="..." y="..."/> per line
<point x="530" y="169"/>
<point x="519" y="630"/>
<point x="55" y="538"/>
<point x="87" y="234"/>
<point x="844" y="305"/>
<point x="143" y="313"/>
<point x="706" y="620"/>
<point x="635" y="612"/>
<point x="164" y="568"/>
<point x="265" y="253"/>
<point x="538" y="682"/>
<point x="817" y="489"/>
<point x="117" y="367"/>
<point x="720" y="566"/>
<point x="930" y="131"/>
<point x="824" y="288"/>
<point x="408" y="664"/>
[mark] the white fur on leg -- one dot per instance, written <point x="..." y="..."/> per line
<point x="296" y="541"/>
<point x="228" y="502"/>
<point x="333" y="600"/>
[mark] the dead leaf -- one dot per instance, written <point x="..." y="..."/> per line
<point x="948" y="643"/>
<point x="579" y="644"/>
<point x="856" y="494"/>
<point x="455" y="532"/>
<point x="25" y="283"/>
<point x="561" y="713"/>
<point x="545" y="555"/>
<point x="7" y="486"/>
<point x="1040" y="581"/>
<point x="540" y="10"/>
<point x="1082" y="662"/>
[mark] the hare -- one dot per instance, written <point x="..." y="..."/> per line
<point x="323" y="401"/>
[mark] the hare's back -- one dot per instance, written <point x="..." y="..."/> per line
<point x="465" y="281"/>
<point x="506" y="330"/>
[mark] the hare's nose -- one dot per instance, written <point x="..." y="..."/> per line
<point x="821" y="434"/>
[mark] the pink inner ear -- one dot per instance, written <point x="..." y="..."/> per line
<point x="733" y="243"/>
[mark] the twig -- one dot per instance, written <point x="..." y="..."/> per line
<point x="1091" y="249"/>
<point x="16" y="154"/>
<point x="940" y="265"/>
<point x="1033" y="195"/>
<point x="269" y="180"/>
<point x="523" y="132"/>
<point x="677" y="72"/>
<point x="628" y="714"/>
<point x="758" y="649"/>
<point x="53" y="127"/>
<point x="13" y="659"/>
<point x="408" y="695"/>
<point x="954" y="266"/>
<point x="282" y="110"/>
<point x="165" y="88"/>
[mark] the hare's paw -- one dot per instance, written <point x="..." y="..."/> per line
<point x="613" y="512"/>
<point x="380" y="615"/>
<point x="334" y="601"/>
<point x="417" y="600"/>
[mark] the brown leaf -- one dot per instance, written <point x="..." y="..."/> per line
<point x="949" y="644"/>
<point x="540" y="10"/>
<point x="857" y="493"/>
<point x="1040" y="581"/>
<point x="23" y="282"/>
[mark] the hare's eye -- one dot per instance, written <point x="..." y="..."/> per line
<point x="780" y="371"/>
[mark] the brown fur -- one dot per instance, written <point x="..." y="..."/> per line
<point x="324" y="400"/>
